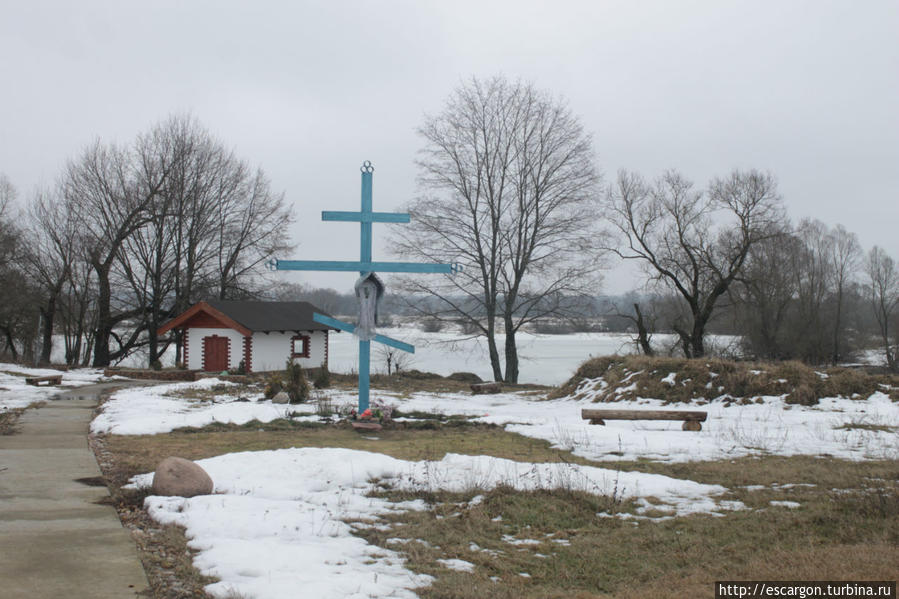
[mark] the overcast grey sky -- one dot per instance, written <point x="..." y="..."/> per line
<point x="308" y="90"/>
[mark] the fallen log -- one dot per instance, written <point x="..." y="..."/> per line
<point x="484" y="388"/>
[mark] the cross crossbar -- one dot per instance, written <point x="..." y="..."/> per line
<point x="366" y="217"/>
<point x="350" y="328"/>
<point x="363" y="267"/>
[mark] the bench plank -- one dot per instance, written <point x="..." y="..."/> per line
<point x="685" y="415"/>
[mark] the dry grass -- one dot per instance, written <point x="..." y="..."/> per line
<point x="9" y="419"/>
<point x="138" y="454"/>
<point x="403" y="383"/>
<point x="413" y="381"/>
<point x="870" y="561"/>
<point x="847" y="534"/>
<point x="701" y="380"/>
<point x="210" y="393"/>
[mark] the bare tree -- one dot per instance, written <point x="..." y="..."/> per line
<point x="639" y="320"/>
<point x="810" y="331"/>
<point x="765" y="296"/>
<point x="171" y="219"/>
<point x="15" y="300"/>
<point x="9" y="232"/>
<point x="691" y="242"/>
<point x="395" y="359"/>
<point x="845" y="253"/>
<point x="507" y="174"/>
<point x="883" y="292"/>
<point x="78" y="312"/>
<point x="251" y="225"/>
<point x="109" y="192"/>
<point x="50" y="256"/>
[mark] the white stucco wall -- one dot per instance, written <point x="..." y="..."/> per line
<point x="271" y="350"/>
<point x="195" y="346"/>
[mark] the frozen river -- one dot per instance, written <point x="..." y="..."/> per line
<point x="545" y="359"/>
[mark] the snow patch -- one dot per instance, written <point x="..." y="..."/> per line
<point x="283" y="519"/>
<point x="457" y="564"/>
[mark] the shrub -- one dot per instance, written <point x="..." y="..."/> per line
<point x="324" y="407"/>
<point x="418" y="375"/>
<point x="803" y="395"/>
<point x="468" y="327"/>
<point x="273" y="385"/>
<point x="295" y="383"/>
<point x="465" y="377"/>
<point x="432" y="325"/>
<point x="241" y="368"/>
<point x="552" y="327"/>
<point x="322" y="377"/>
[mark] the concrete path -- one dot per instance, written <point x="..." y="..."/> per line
<point x="55" y="540"/>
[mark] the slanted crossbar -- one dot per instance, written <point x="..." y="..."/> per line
<point x="351" y="328"/>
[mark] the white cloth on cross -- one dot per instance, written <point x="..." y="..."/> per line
<point x="369" y="290"/>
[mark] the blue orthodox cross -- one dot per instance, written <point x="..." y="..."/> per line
<point x="366" y="267"/>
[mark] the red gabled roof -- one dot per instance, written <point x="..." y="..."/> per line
<point x="207" y="309"/>
<point x="248" y="317"/>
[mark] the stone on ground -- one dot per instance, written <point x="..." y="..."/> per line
<point x="182" y="478"/>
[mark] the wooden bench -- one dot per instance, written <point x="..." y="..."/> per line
<point x="55" y="379"/>
<point x="691" y="418"/>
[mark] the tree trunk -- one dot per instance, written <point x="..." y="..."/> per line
<point x="888" y="352"/>
<point x="178" y="343"/>
<point x="684" y="338"/>
<point x="49" y="314"/>
<point x="511" y="353"/>
<point x="642" y="333"/>
<point x="10" y="345"/>
<point x="835" y="358"/>
<point x="153" y="342"/>
<point x="696" y="341"/>
<point x="104" y="318"/>
<point x="492" y="349"/>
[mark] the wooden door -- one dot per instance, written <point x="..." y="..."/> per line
<point x="215" y="353"/>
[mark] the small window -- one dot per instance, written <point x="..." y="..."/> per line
<point x="300" y="346"/>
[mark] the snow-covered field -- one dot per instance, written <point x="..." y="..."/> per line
<point x="283" y="520"/>
<point x="14" y="393"/>
<point x="769" y="427"/>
